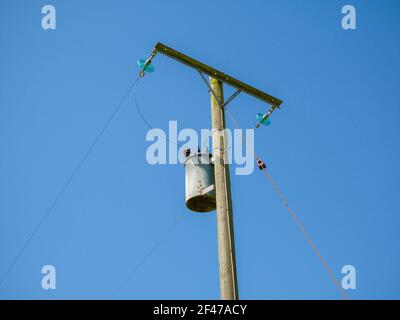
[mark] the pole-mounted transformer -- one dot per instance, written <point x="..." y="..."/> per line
<point x="207" y="183"/>
<point x="199" y="182"/>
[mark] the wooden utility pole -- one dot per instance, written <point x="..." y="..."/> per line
<point x="226" y="242"/>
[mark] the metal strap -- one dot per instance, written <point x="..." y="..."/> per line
<point x="210" y="89"/>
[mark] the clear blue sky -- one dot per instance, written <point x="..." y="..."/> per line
<point x="333" y="147"/>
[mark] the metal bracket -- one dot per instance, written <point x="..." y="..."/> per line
<point x="221" y="76"/>
<point x="233" y="96"/>
<point x="229" y="100"/>
<point x="210" y="89"/>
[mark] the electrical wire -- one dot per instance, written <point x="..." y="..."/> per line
<point x="293" y="215"/>
<point x="139" y="111"/>
<point x="168" y="231"/>
<point x="172" y="227"/>
<point x="277" y="190"/>
<point x="68" y="182"/>
<point x="150" y="252"/>
<point x="304" y="231"/>
<point x="148" y="124"/>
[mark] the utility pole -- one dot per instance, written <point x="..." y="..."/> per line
<point x="226" y="242"/>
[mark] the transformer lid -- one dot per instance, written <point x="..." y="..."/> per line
<point x="199" y="155"/>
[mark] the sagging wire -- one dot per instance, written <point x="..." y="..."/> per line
<point x="265" y="120"/>
<point x="147" y="122"/>
<point x="144" y="68"/>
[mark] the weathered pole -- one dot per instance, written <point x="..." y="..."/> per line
<point x="226" y="242"/>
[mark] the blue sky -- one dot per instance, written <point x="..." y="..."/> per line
<point x="333" y="148"/>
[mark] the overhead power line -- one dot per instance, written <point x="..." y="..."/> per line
<point x="150" y="252"/>
<point x="293" y="215"/>
<point x="68" y="182"/>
